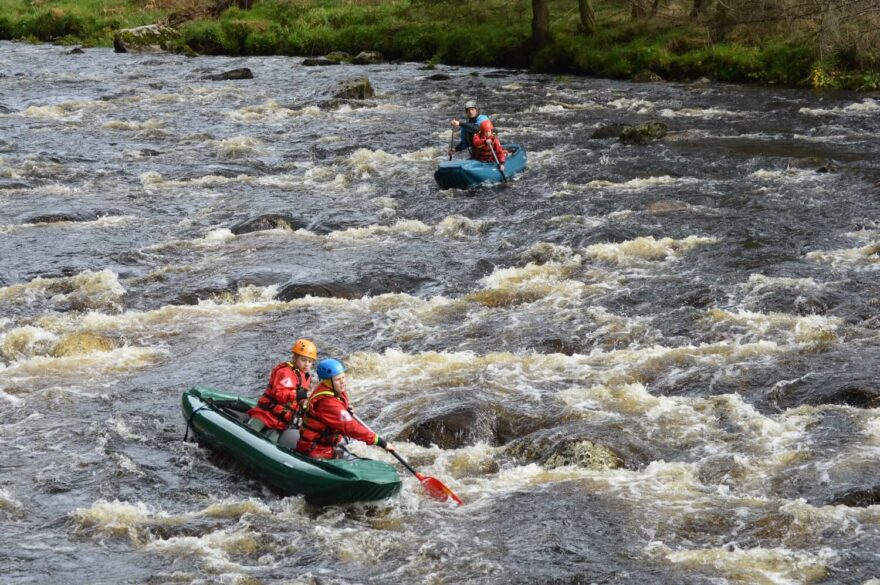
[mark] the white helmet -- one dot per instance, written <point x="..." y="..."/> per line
<point x="470" y="104"/>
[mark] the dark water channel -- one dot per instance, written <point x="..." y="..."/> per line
<point x="636" y="364"/>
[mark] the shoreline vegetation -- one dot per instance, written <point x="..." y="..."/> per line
<point x="824" y="44"/>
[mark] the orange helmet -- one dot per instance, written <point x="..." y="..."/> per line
<point x="486" y="126"/>
<point x="305" y="348"/>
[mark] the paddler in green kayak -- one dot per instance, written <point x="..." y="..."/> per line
<point x="328" y="417"/>
<point x="279" y="408"/>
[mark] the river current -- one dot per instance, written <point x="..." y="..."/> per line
<point x="667" y="356"/>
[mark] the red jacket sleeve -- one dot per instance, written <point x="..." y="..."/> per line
<point x="333" y="414"/>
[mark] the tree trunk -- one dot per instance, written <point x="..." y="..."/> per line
<point x="540" y="23"/>
<point x="697" y="9"/>
<point x="638" y="9"/>
<point x="245" y="4"/>
<point x="588" y="17"/>
<point x="655" y="7"/>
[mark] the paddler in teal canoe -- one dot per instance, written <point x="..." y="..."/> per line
<point x="279" y="409"/>
<point x="469" y="128"/>
<point x="328" y="417"/>
<point x="487" y="147"/>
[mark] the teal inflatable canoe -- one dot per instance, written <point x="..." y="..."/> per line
<point x="217" y="419"/>
<point x="462" y="174"/>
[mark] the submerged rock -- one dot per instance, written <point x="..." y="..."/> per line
<point x="80" y="343"/>
<point x="814" y="163"/>
<point x="75" y="51"/>
<point x="608" y="131"/>
<point x="339" y="57"/>
<point x="646" y="75"/>
<point x="151" y="38"/>
<point x="368" y="58"/>
<point x="331" y="290"/>
<point x="583" y="444"/>
<point x="318" y="62"/>
<point x="462" y="425"/>
<point x="366" y="285"/>
<point x="268" y="221"/>
<point x="233" y="74"/>
<point x="439" y="77"/>
<point x="857" y="498"/>
<point x="354" y="89"/>
<point x="641" y="134"/>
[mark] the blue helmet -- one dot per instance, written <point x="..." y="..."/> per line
<point x="328" y="368"/>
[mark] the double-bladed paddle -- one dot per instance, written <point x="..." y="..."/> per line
<point x="433" y="486"/>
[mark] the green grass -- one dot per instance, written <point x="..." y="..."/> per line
<point x="462" y="32"/>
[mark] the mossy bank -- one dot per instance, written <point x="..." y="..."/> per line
<point x="670" y="43"/>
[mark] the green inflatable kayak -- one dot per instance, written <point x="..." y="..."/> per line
<point x="218" y="420"/>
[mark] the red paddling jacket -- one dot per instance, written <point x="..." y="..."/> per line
<point x="327" y="418"/>
<point x="283" y="397"/>
<point x="483" y="147"/>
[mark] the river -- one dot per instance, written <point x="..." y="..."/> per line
<point x="666" y="357"/>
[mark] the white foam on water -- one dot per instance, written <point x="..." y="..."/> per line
<point x="861" y="257"/>
<point x="150" y="124"/>
<point x="238" y="147"/>
<point x="89" y="289"/>
<point x="402" y="227"/>
<point x="636" y="105"/>
<point x="459" y="226"/>
<point x="93" y="363"/>
<point x="793" y="328"/>
<point x="25" y="342"/>
<point x="9" y="504"/>
<point x="272" y="111"/>
<point x="705" y="113"/>
<point x="644" y="250"/>
<point x="640" y="183"/>
<point x="758" y="566"/>
<point x="72" y="110"/>
<point x="866" y="107"/>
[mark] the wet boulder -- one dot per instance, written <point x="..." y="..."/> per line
<point x="813" y="163"/>
<point x="339" y="57"/>
<point x="318" y="62"/>
<point x="663" y="206"/>
<point x="228" y="170"/>
<point x="608" y="131"/>
<point x="646" y="75"/>
<point x="330" y="290"/>
<point x="578" y="451"/>
<point x="499" y="74"/>
<point x="584" y="444"/>
<point x="11" y="184"/>
<point x="641" y="134"/>
<point x="368" y="58"/>
<point x="233" y="74"/>
<point x="80" y="343"/>
<point x="365" y="285"/>
<point x="151" y="38"/>
<point x="464" y="424"/>
<point x="354" y="89"/>
<point x="75" y="51"/>
<point x="70" y="216"/>
<point x="857" y="498"/>
<point x="439" y="77"/>
<point x="267" y="221"/>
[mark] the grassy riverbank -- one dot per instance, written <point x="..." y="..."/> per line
<point x="465" y="32"/>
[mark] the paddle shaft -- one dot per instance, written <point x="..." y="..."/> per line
<point x="497" y="162"/>
<point x="405" y="464"/>
<point x="451" y="143"/>
<point x="433" y="486"/>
